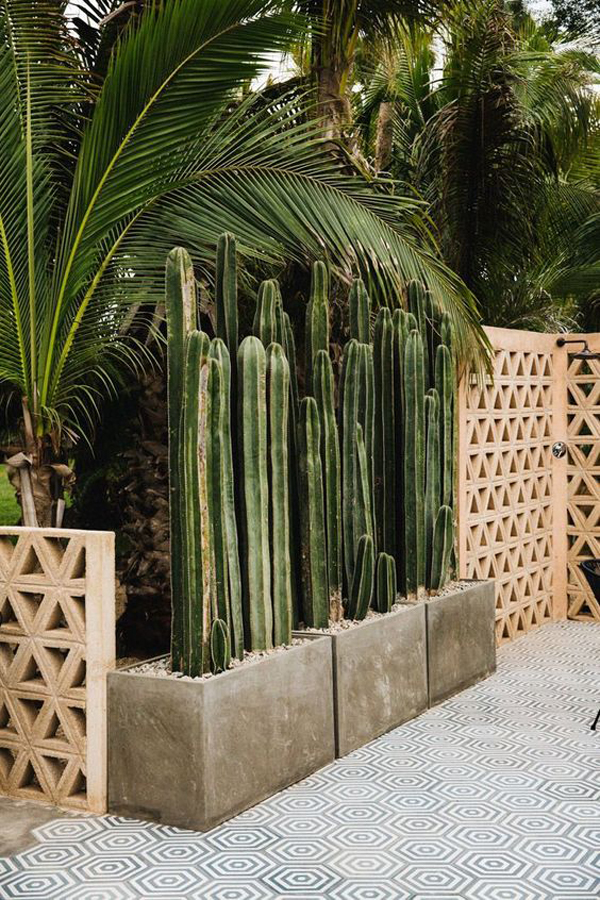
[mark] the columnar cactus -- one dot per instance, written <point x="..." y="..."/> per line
<point x="196" y="596"/>
<point x="316" y="334"/>
<point x="357" y="409"/>
<point x="312" y="517"/>
<point x="218" y="351"/>
<point x="385" y="582"/>
<point x="363" y="514"/>
<point x="432" y="473"/>
<point x="212" y="487"/>
<point x="360" y="312"/>
<point x="252" y="433"/>
<point x="220" y="646"/>
<point x="226" y="293"/>
<point x="323" y="387"/>
<point x="361" y="589"/>
<point x="414" y="463"/>
<point x="384" y="442"/>
<point x="444" y="382"/>
<point x="443" y="538"/>
<point x="268" y="318"/>
<point x="278" y="381"/>
<point x="180" y="302"/>
<point x="417" y="303"/>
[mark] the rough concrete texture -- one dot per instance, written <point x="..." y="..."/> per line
<point x="379" y="675"/>
<point x="461" y="643"/>
<point x="195" y="753"/>
<point x="18" y="818"/>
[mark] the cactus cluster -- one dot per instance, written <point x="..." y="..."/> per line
<point x="280" y="507"/>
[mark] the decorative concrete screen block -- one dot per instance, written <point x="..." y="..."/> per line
<point x="57" y="641"/>
<point x="583" y="528"/>
<point x="528" y="516"/>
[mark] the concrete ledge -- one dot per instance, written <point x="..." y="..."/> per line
<point x="461" y="641"/>
<point x="379" y="676"/>
<point x="195" y="753"/>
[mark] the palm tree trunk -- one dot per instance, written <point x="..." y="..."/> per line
<point x="384" y="137"/>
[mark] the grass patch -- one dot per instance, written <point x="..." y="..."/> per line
<point x="10" y="513"/>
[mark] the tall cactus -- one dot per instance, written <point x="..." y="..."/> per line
<point x="418" y="304"/>
<point x="278" y="381"/>
<point x="384" y="443"/>
<point x="323" y="387"/>
<point x="218" y="351"/>
<point x="220" y="646"/>
<point x="361" y="589"/>
<point x="414" y="463"/>
<point x="180" y="303"/>
<point x="194" y="658"/>
<point x="363" y="513"/>
<point x="226" y="293"/>
<point x="312" y="515"/>
<point x="443" y="538"/>
<point x="385" y="582"/>
<point x="212" y="451"/>
<point x="252" y="429"/>
<point x="444" y="383"/>
<point x="316" y="334"/>
<point x="360" y="312"/>
<point x="357" y="409"/>
<point x="432" y="473"/>
<point x="268" y="322"/>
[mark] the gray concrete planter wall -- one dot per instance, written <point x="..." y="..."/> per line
<point x="461" y="643"/>
<point x="379" y="676"/>
<point x="195" y="753"/>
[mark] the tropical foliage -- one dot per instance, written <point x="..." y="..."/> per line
<point x="496" y="123"/>
<point x="126" y="132"/>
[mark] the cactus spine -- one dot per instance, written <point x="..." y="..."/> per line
<point x="252" y="428"/>
<point x="317" y="321"/>
<point x="312" y="517"/>
<point x="330" y="457"/>
<point x="443" y="537"/>
<point x="180" y="303"/>
<point x="226" y="293"/>
<point x="278" y="381"/>
<point x="360" y="312"/>
<point x="385" y="579"/>
<point x="414" y="463"/>
<point x="384" y="444"/>
<point x="361" y="590"/>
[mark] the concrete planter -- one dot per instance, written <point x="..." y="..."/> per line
<point x="195" y="753"/>
<point x="379" y="676"/>
<point x="461" y="642"/>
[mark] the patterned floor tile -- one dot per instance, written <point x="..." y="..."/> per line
<point x="491" y="796"/>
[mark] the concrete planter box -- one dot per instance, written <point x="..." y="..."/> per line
<point x="461" y="641"/>
<point x="379" y="676"/>
<point x="195" y="753"/>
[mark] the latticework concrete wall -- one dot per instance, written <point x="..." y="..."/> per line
<point x="526" y="516"/>
<point x="57" y="641"/>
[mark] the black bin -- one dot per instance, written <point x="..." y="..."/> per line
<point x="591" y="570"/>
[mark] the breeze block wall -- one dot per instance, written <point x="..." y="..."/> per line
<point x="57" y="641"/>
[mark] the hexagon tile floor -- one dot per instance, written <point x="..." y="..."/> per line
<point x="491" y="796"/>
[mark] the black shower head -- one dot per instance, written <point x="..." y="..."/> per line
<point x="586" y="353"/>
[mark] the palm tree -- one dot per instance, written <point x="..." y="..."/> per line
<point x="500" y="135"/>
<point x="110" y="155"/>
